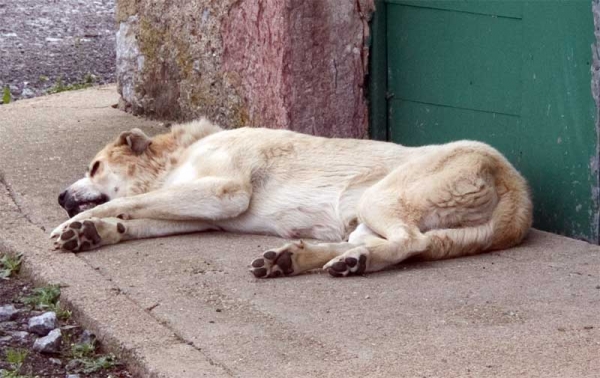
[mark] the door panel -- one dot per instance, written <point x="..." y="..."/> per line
<point x="515" y="74"/>
<point x="432" y="124"/>
<point x="496" y="8"/>
<point x="431" y="58"/>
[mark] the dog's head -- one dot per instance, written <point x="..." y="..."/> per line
<point x="109" y="174"/>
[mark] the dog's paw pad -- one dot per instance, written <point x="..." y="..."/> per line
<point x="78" y="236"/>
<point x="75" y="225"/>
<point x="124" y="216"/>
<point x="273" y="264"/>
<point x="347" y="265"/>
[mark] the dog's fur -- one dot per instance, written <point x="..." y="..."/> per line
<point x="373" y="204"/>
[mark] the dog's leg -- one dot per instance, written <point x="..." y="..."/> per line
<point x="209" y="199"/>
<point x="364" y="252"/>
<point x="296" y="257"/>
<point x="448" y="209"/>
<point x="375" y="252"/>
<point x="96" y="232"/>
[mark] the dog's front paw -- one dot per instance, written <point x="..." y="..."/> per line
<point x="353" y="262"/>
<point x="59" y="230"/>
<point x="89" y="234"/>
<point x="277" y="262"/>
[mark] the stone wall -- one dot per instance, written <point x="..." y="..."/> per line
<point x="294" y="64"/>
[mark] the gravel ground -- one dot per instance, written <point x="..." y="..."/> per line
<point x="15" y="336"/>
<point x="43" y="42"/>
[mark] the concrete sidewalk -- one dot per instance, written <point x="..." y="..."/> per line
<point x="188" y="307"/>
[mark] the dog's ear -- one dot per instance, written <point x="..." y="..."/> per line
<point x="135" y="139"/>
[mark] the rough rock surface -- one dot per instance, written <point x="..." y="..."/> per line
<point x="50" y="343"/>
<point x="87" y="337"/>
<point x="8" y="312"/>
<point x="169" y="60"/>
<point x="307" y="57"/>
<point x="7" y="326"/>
<point x="42" y="324"/>
<point x="291" y="64"/>
<point x="19" y="335"/>
<point x="44" y="40"/>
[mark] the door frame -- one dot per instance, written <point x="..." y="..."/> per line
<point x="378" y="75"/>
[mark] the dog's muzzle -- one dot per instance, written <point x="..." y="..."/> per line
<point x="74" y="206"/>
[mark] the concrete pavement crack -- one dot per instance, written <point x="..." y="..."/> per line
<point x="15" y="200"/>
<point x="165" y="324"/>
<point x="208" y="358"/>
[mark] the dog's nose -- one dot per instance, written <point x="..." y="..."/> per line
<point x="62" y="198"/>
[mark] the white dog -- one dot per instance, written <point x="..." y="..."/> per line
<point x="373" y="204"/>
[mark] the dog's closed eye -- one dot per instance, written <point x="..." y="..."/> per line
<point x="94" y="169"/>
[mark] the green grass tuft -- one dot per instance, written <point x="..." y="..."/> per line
<point x="85" y="354"/>
<point x="42" y="297"/>
<point x="82" y="350"/>
<point x="59" y="86"/>
<point x="92" y="365"/>
<point x="15" y="358"/>
<point x="10" y="265"/>
<point x="46" y="299"/>
<point x="6" y="96"/>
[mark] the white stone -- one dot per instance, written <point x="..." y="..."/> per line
<point x="19" y="335"/>
<point x="8" y="312"/>
<point x="50" y="343"/>
<point x="42" y="324"/>
<point x="27" y="93"/>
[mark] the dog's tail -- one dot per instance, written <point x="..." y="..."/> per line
<point x="508" y="226"/>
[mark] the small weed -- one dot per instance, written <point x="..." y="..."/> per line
<point x="13" y="374"/>
<point x="89" y="79"/>
<point x="6" y="96"/>
<point x="92" y="365"/>
<point x="61" y="312"/>
<point x="84" y="353"/>
<point x="15" y="358"/>
<point x="44" y="78"/>
<point x="42" y="297"/>
<point x="82" y="350"/>
<point x="46" y="298"/>
<point x="10" y="265"/>
<point x="59" y="86"/>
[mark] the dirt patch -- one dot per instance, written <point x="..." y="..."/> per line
<point x="49" y="43"/>
<point x="15" y="338"/>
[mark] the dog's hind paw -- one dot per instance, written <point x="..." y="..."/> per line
<point x="277" y="262"/>
<point x="89" y="234"/>
<point x="353" y="262"/>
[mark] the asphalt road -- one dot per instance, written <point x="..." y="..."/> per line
<point x="43" y="42"/>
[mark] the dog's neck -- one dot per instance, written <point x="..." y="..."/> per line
<point x="165" y="153"/>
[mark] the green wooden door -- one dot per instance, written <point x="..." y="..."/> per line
<point x="515" y="74"/>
